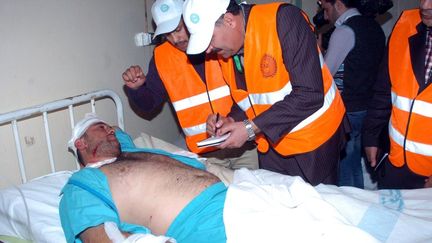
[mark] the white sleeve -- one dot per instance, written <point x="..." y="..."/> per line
<point x="341" y="42"/>
<point x="116" y="236"/>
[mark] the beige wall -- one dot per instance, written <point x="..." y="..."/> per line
<point x="51" y="49"/>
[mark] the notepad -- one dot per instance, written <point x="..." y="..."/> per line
<point x="213" y="141"/>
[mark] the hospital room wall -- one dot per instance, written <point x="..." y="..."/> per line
<point x="51" y="49"/>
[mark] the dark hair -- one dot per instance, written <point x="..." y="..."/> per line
<point x="234" y="7"/>
<point x="347" y="3"/>
<point x="78" y="153"/>
<point x="369" y="8"/>
<point x="79" y="158"/>
<point x="374" y="7"/>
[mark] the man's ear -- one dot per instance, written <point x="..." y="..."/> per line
<point x="230" y="20"/>
<point x="80" y="144"/>
<point x="339" y="6"/>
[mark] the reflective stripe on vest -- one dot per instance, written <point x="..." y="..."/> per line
<point x="195" y="130"/>
<point x="192" y="99"/>
<point x="202" y="98"/>
<point x="328" y="100"/>
<point x="268" y="82"/>
<point x="414" y="147"/>
<point x="420" y="107"/>
<point x="268" y="98"/>
<point x="411" y="118"/>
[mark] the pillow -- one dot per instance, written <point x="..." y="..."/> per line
<point x="42" y="198"/>
<point x="147" y="141"/>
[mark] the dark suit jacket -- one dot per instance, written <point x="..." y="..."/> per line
<point x="379" y="108"/>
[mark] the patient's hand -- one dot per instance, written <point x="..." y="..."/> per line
<point x="134" y="77"/>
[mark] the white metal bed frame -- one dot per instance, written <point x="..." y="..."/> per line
<point x="14" y="117"/>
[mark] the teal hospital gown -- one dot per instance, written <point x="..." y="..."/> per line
<point x="87" y="202"/>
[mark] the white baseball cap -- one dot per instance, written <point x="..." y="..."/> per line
<point x="200" y="17"/>
<point x="81" y="127"/>
<point x="166" y="14"/>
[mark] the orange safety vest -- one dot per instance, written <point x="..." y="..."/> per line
<point x="191" y="98"/>
<point x="268" y="82"/>
<point x="410" y="126"/>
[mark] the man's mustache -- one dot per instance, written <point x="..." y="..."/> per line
<point x="182" y="42"/>
<point x="427" y="12"/>
<point x="216" y="50"/>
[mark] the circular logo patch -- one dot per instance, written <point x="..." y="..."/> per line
<point x="194" y="18"/>
<point x="164" y="8"/>
<point x="268" y="66"/>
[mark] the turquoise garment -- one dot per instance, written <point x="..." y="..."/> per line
<point x="87" y="202"/>
<point x="127" y="145"/>
<point x="202" y="219"/>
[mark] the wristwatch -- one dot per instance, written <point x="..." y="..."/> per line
<point x="249" y="130"/>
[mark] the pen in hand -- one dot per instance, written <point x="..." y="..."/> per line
<point x="381" y="160"/>
<point x="216" y="128"/>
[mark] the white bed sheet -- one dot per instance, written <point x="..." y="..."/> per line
<point x="410" y="211"/>
<point x="264" y="206"/>
<point x="42" y="198"/>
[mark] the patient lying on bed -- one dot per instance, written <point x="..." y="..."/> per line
<point x="164" y="194"/>
<point x="168" y="194"/>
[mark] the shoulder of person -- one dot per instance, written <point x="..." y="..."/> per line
<point x="289" y="11"/>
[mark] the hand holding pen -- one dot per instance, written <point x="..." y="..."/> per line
<point x="213" y="120"/>
<point x="216" y="128"/>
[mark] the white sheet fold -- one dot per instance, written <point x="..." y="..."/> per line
<point x="263" y="206"/>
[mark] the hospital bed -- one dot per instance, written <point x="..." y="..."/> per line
<point x="28" y="206"/>
<point x="29" y="199"/>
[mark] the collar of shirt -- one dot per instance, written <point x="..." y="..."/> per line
<point x="345" y="16"/>
<point x="100" y="163"/>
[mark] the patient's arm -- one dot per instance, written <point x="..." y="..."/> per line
<point x="96" y="234"/>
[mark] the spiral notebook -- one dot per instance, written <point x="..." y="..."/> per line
<point x="213" y="141"/>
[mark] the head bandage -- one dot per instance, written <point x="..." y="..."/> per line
<point x="81" y="127"/>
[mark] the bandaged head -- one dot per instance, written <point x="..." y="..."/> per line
<point x="81" y="127"/>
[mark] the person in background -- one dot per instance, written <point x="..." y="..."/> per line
<point x="194" y="85"/>
<point x="402" y="102"/>
<point x="353" y="56"/>
<point x="274" y="68"/>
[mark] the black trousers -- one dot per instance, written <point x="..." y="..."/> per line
<point x="392" y="177"/>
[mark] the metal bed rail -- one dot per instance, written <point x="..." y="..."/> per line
<point x="14" y="117"/>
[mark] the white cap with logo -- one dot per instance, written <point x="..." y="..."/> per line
<point x="81" y="127"/>
<point x="166" y="14"/>
<point x="200" y="17"/>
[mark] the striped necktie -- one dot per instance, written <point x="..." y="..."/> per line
<point x="428" y="58"/>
